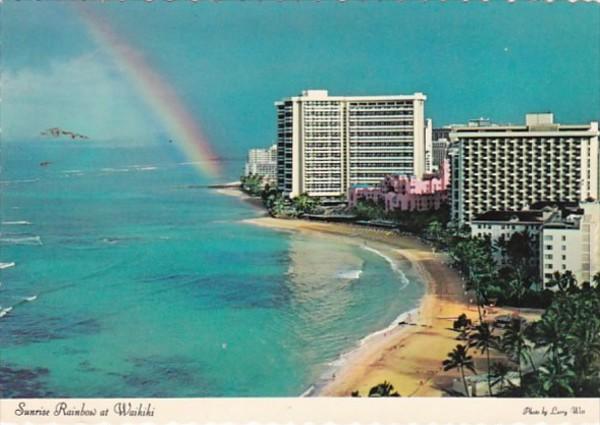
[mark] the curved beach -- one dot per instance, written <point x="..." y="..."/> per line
<point x="407" y="355"/>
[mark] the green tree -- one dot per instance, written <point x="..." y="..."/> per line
<point x="384" y="389"/>
<point x="565" y="282"/>
<point x="460" y="359"/>
<point x="252" y="184"/>
<point x="435" y="231"/>
<point x="483" y="339"/>
<point x="305" y="204"/>
<point x="463" y="325"/>
<point x="555" y="378"/>
<point x="550" y="332"/>
<point x="500" y="373"/>
<point x="514" y="343"/>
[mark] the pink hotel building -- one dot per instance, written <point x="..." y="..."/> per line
<point x="407" y="193"/>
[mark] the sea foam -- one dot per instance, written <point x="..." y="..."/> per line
<point x="405" y="281"/>
<point x="5" y="311"/>
<point x="350" y="274"/>
<point x="21" y="240"/>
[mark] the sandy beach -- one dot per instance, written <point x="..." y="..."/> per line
<point x="409" y="355"/>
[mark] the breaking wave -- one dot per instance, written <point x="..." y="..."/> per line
<point x="21" y="240"/>
<point x="405" y="281"/>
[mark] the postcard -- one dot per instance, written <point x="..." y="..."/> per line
<point x="291" y="212"/>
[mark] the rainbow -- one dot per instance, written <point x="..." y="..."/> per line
<point x="160" y="96"/>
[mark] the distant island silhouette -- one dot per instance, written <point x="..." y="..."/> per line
<point x="56" y="132"/>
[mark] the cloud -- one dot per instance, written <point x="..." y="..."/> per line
<point x="84" y="94"/>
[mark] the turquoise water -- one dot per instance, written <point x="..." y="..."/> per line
<point x="132" y="281"/>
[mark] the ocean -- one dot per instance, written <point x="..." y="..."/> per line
<point x="122" y="275"/>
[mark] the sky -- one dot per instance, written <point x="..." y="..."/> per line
<point x="228" y="62"/>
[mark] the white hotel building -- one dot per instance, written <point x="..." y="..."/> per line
<point x="326" y="144"/>
<point x="262" y="162"/>
<point x="509" y="167"/>
<point x="564" y="237"/>
<point x="572" y="243"/>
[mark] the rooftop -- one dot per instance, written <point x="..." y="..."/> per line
<point x="565" y="208"/>
<point x="511" y="216"/>
<point x="535" y="123"/>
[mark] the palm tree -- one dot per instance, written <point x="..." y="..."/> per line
<point x="566" y="282"/>
<point x="500" y="245"/>
<point x="555" y="378"/>
<point x="483" y="339"/>
<point x="278" y="207"/>
<point x="514" y="344"/>
<point x="500" y="372"/>
<point x="460" y="359"/>
<point x="550" y="332"/>
<point x="435" y="230"/>
<point x="463" y="325"/>
<point x="518" y="286"/>
<point x="584" y="343"/>
<point x="305" y="204"/>
<point x="384" y="389"/>
<point x="596" y="279"/>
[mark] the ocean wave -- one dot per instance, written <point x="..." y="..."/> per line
<point x="407" y="317"/>
<point x="115" y="170"/>
<point x="118" y="239"/>
<point x="350" y="274"/>
<point x="21" y="240"/>
<point x="308" y="392"/>
<point x="23" y="300"/>
<point x="9" y="182"/>
<point x="5" y="311"/>
<point x="410" y="316"/>
<point x="405" y="281"/>
<point x="72" y="172"/>
<point x="6" y="265"/>
<point x="16" y="223"/>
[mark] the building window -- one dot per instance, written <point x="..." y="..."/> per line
<point x="548" y="256"/>
<point x="549" y="266"/>
<point x="548" y="238"/>
<point x="564" y="257"/>
<point x="564" y="238"/>
<point x="564" y="247"/>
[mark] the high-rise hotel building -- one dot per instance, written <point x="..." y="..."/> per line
<point x="326" y="144"/>
<point x="509" y="167"/>
<point x="262" y="162"/>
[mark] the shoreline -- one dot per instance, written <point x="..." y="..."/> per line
<point x="234" y="190"/>
<point x="409" y="355"/>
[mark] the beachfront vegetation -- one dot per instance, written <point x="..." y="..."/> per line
<point x="417" y="222"/>
<point x="555" y="356"/>
<point x="274" y="201"/>
<point x="460" y="359"/>
<point x="385" y="389"/>
<point x="253" y="184"/>
<point x="515" y="282"/>
<point x="483" y="339"/>
<point x="369" y="210"/>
